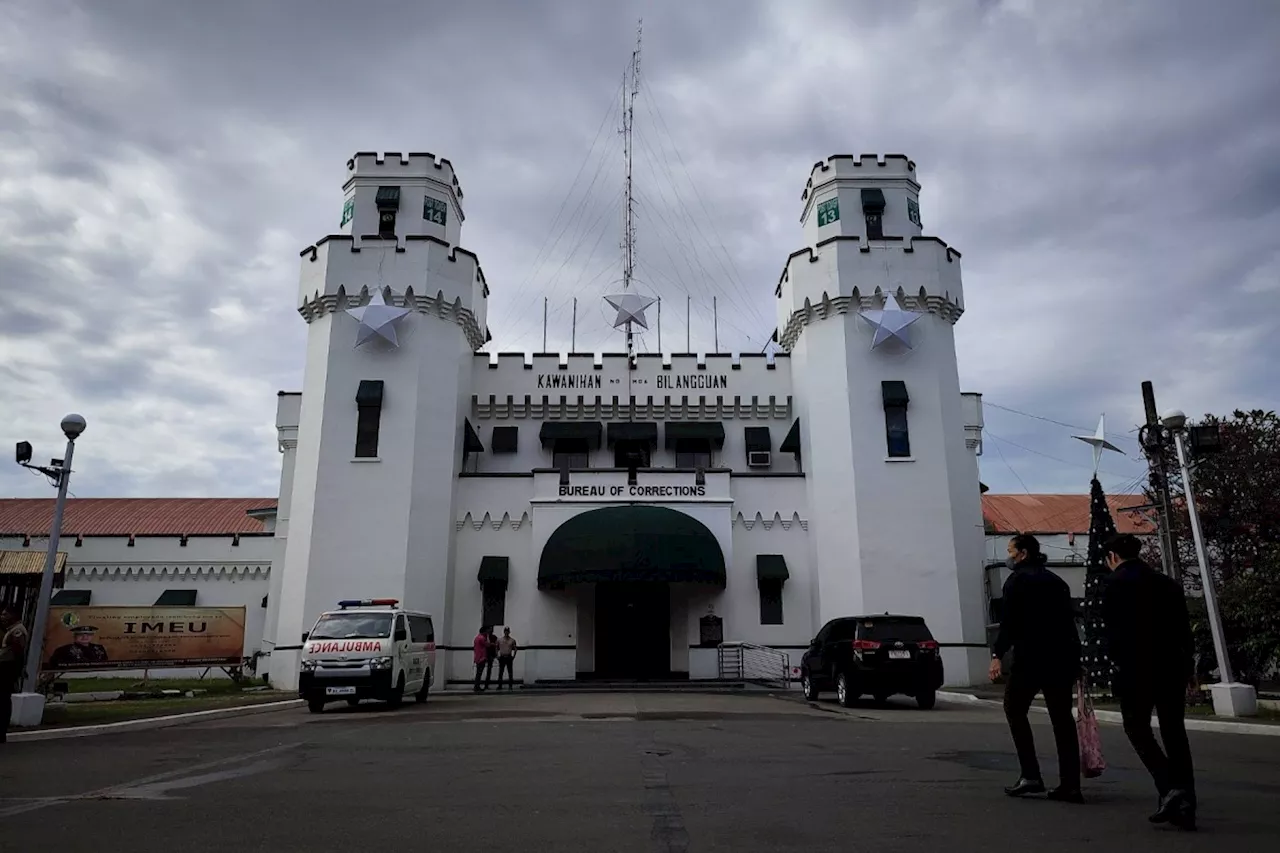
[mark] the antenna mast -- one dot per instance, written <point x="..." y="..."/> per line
<point x="630" y="89"/>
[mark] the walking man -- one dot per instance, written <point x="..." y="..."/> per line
<point x="1150" y="645"/>
<point x="507" y="648"/>
<point x="1039" y="627"/>
<point x="13" y="654"/>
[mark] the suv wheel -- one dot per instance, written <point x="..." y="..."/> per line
<point x="926" y="701"/>
<point x="806" y="685"/>
<point x="845" y="694"/>
<point x="315" y="706"/>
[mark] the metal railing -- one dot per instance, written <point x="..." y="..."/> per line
<point x="756" y="664"/>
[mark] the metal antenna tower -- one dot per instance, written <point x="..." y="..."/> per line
<point x="630" y="89"/>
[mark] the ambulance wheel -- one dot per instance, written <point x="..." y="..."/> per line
<point x="315" y="706"/>
<point x="397" y="695"/>
<point x="426" y="688"/>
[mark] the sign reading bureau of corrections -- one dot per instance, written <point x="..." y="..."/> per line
<point x="96" y="638"/>
<point x="633" y="491"/>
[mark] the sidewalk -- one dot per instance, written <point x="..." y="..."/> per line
<point x="1199" y="718"/>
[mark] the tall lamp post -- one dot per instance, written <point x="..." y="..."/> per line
<point x="1230" y="699"/>
<point x="59" y="471"/>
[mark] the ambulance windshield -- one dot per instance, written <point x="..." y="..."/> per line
<point x="347" y="626"/>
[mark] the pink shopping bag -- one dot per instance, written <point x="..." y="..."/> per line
<point x="1092" y="764"/>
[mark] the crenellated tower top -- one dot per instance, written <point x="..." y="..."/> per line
<point x="402" y="195"/>
<point x="863" y="196"/>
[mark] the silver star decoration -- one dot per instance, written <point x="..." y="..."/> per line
<point x="1099" y="442"/>
<point x="377" y="320"/>
<point x="891" y="322"/>
<point x="630" y="308"/>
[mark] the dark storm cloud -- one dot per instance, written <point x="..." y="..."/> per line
<point x="1109" y="172"/>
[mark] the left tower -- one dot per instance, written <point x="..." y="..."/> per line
<point x="394" y="312"/>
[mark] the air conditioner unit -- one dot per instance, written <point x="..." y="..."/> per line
<point x="759" y="459"/>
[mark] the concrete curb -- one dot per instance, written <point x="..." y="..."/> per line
<point x="1193" y="724"/>
<point x="154" y="722"/>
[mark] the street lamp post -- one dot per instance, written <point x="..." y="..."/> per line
<point x="1230" y="699"/>
<point x="73" y="426"/>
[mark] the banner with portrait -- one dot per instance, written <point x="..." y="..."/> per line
<point x="97" y="638"/>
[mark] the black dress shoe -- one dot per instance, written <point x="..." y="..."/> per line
<point x="1066" y="795"/>
<point x="1170" y="805"/>
<point x="1023" y="787"/>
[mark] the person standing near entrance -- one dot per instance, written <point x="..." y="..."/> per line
<point x="507" y="648"/>
<point x="13" y="653"/>
<point x="1150" y="644"/>
<point x="480" y="654"/>
<point x="1039" y="627"/>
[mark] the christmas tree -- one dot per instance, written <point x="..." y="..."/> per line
<point x="1101" y="528"/>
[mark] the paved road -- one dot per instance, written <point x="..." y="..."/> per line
<point x="604" y="773"/>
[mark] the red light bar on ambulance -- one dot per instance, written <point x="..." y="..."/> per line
<point x="368" y="602"/>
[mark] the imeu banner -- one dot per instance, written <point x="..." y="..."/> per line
<point x="90" y="638"/>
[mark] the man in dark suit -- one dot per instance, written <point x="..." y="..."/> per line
<point x="1039" y="626"/>
<point x="1150" y="645"/>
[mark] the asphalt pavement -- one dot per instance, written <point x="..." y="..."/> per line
<point x="606" y="772"/>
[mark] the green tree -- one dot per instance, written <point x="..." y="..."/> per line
<point x="1237" y="492"/>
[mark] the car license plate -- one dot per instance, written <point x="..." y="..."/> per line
<point x="340" y="691"/>
<point x="899" y="654"/>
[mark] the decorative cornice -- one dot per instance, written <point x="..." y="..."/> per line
<point x="840" y="305"/>
<point x="222" y="570"/>
<point x="495" y="523"/>
<point x="748" y="522"/>
<point x="319" y="305"/>
<point x="665" y="408"/>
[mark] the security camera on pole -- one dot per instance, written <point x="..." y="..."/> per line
<point x="1230" y="699"/>
<point x="28" y="706"/>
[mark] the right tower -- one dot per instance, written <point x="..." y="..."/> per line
<point x="867" y="314"/>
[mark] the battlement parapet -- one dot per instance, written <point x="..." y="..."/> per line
<point x="862" y="166"/>
<point x="609" y="379"/>
<point x="394" y="165"/>
<point x="414" y="246"/>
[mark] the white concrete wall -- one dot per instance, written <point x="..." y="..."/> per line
<point x="843" y="178"/>
<point x="117" y="574"/>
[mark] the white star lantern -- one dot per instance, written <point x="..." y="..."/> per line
<point x="1099" y="442"/>
<point x="630" y="308"/>
<point x="377" y="320"/>
<point x="890" y="322"/>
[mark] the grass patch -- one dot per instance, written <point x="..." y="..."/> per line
<point x="211" y="686"/>
<point x="94" y="713"/>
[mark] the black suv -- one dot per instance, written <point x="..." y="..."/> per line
<point x="880" y="655"/>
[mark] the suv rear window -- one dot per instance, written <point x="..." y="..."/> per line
<point x="907" y="630"/>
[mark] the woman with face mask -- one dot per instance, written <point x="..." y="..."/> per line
<point x="1039" y="628"/>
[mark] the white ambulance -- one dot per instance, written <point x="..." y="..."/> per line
<point x="367" y="649"/>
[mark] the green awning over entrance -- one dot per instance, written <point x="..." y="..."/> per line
<point x="771" y="567"/>
<point x="631" y="543"/>
<point x="494" y="570"/>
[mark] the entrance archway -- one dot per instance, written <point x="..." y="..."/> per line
<point x="631" y="554"/>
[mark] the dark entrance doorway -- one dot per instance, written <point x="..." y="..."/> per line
<point x="633" y="630"/>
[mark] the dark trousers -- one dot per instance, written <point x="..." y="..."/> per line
<point x="480" y="668"/>
<point x="1170" y="767"/>
<point x="1019" y="693"/>
<point x="505" y="665"/>
<point x="8" y="683"/>
<point x="488" y="673"/>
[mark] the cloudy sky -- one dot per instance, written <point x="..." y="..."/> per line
<point x="1111" y="172"/>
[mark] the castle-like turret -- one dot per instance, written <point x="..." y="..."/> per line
<point x="394" y="311"/>
<point x="867" y="313"/>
